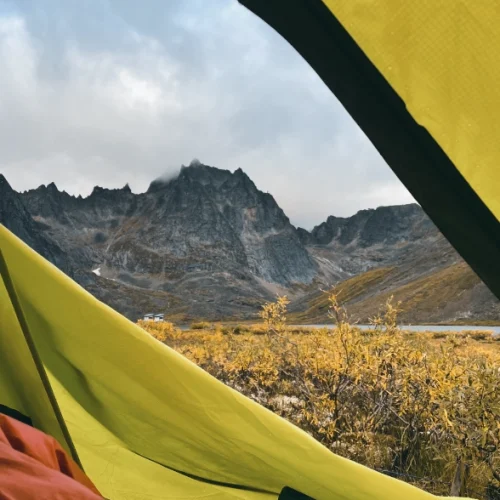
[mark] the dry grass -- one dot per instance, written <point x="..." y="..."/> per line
<point x="424" y="297"/>
<point x="347" y="291"/>
<point x="431" y="293"/>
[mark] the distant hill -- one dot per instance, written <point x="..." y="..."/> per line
<point x="208" y="244"/>
<point x="452" y="294"/>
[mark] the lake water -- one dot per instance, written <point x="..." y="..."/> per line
<point x="428" y="328"/>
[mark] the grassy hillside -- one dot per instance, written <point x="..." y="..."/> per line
<point x="423" y="300"/>
<point x="134" y="302"/>
<point x="347" y="291"/>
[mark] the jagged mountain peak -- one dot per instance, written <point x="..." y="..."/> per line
<point x="102" y="191"/>
<point x="402" y="210"/>
<point x="157" y="185"/>
<point x="4" y="184"/>
<point x="205" y="175"/>
<point x="203" y="218"/>
<point x="47" y="194"/>
<point x="383" y="225"/>
<point x="161" y="182"/>
<point x="50" y="188"/>
<point x="15" y="216"/>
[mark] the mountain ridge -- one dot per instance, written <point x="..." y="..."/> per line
<point x="207" y="243"/>
<point x="16" y="218"/>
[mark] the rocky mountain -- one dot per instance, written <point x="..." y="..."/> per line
<point x="385" y="225"/>
<point x="376" y="236"/>
<point x="209" y="244"/>
<point x="394" y="251"/>
<point x="208" y="236"/>
<point x="15" y="216"/>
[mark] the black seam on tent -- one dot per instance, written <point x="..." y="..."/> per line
<point x="9" y="285"/>
<point x="15" y="414"/>
<point x="204" y="480"/>
<point x="411" y="152"/>
<point x="288" y="493"/>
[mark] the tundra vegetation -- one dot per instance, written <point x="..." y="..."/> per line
<point x="424" y="407"/>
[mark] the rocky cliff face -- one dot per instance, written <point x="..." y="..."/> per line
<point x="15" y="217"/>
<point x="382" y="226"/>
<point x="205" y="229"/>
<point x="384" y="236"/>
<point x="206" y="219"/>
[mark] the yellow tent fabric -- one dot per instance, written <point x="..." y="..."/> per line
<point x="422" y="80"/>
<point x="441" y="57"/>
<point x="146" y="422"/>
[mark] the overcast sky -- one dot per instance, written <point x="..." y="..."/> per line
<point x="110" y="92"/>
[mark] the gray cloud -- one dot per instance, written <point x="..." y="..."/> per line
<point x="122" y="91"/>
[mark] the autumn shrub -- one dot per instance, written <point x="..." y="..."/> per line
<point x="439" y="335"/>
<point x="410" y="405"/>
<point x="480" y="335"/>
<point x="200" y="325"/>
<point x="160" y="330"/>
<point x="258" y="329"/>
<point x="239" y="329"/>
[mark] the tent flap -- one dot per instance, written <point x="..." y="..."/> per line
<point x="9" y="287"/>
<point x="22" y="392"/>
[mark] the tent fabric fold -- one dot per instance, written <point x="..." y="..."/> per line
<point x="146" y="422"/>
<point x="37" y="364"/>
<point x="421" y="80"/>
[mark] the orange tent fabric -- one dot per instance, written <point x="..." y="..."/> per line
<point x="34" y="465"/>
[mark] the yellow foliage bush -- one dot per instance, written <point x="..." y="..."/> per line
<point x="409" y="405"/>
<point x="200" y="325"/>
<point x="160" y="330"/>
